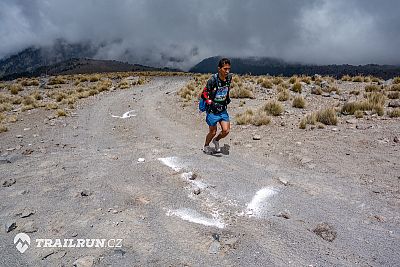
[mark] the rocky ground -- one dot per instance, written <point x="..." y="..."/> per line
<point x="128" y="165"/>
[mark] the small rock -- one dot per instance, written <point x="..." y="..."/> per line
<point x="74" y="234"/>
<point x="306" y="160"/>
<point x="114" y="211"/>
<point x="284" y="215"/>
<point x="27" y="152"/>
<point x="9" y="226"/>
<point x="248" y="146"/>
<point x="87" y="261"/>
<point x="335" y="129"/>
<point x="141" y="160"/>
<point x="352" y="121"/>
<point x="85" y="193"/>
<point x="18" y="136"/>
<point x="256" y="137"/>
<point x="231" y="242"/>
<point x="283" y="181"/>
<point x="394" y="104"/>
<point x="8" y="182"/>
<point x="27" y="129"/>
<point x="283" y="123"/>
<point x="214" y="247"/>
<point x="396" y="139"/>
<point x="196" y="190"/>
<point x="5" y="160"/>
<point x="325" y="231"/>
<point x="29" y="227"/>
<point x="27" y="213"/>
<point x="326" y="94"/>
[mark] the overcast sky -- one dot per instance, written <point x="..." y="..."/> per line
<point x="180" y="33"/>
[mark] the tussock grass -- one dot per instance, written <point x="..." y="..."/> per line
<point x="396" y="80"/>
<point x="30" y="82"/>
<point x="61" y="113"/>
<point x="15" y="88"/>
<point x="266" y="83"/>
<point x="293" y="79"/>
<point x="51" y="106"/>
<point x="297" y="87"/>
<point x="5" y="107"/>
<point x="393" y="95"/>
<point x="36" y="95"/>
<point x="277" y="80"/>
<point x="283" y="95"/>
<point x="2" y="117"/>
<point x="372" y="88"/>
<point x="241" y="92"/>
<point x="3" y="128"/>
<point x="299" y="102"/>
<point x="355" y="92"/>
<point x="374" y="101"/>
<point x="57" y="80"/>
<point x="273" y="108"/>
<point x="358" y="79"/>
<point x="395" y="87"/>
<point x="359" y="114"/>
<point x="306" y="79"/>
<point x="124" y="84"/>
<point x="346" y="78"/>
<point x="326" y="116"/>
<point x="395" y="113"/>
<point x="94" y="78"/>
<point x="256" y="118"/>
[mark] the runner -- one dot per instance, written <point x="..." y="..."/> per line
<point x="216" y="96"/>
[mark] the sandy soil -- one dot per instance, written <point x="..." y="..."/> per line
<point x="260" y="203"/>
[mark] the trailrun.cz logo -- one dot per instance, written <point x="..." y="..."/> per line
<point x="22" y="242"/>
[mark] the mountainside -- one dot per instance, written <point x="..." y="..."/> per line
<point x="262" y="66"/>
<point x="84" y="65"/>
<point x="32" y="58"/>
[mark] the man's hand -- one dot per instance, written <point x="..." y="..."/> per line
<point x="208" y="102"/>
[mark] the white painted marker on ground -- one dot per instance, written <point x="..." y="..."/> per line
<point x="195" y="217"/>
<point x="171" y="162"/>
<point x="125" y="115"/>
<point x="258" y="202"/>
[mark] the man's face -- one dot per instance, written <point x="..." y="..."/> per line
<point x="225" y="69"/>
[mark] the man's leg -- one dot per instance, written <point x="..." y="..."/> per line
<point x="212" y="131"/>
<point x="226" y="126"/>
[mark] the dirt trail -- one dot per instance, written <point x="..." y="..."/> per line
<point x="83" y="180"/>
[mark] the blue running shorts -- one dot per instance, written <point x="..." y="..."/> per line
<point x="212" y="119"/>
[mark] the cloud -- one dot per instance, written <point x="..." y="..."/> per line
<point x="179" y="33"/>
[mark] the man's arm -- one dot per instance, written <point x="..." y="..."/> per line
<point x="206" y="95"/>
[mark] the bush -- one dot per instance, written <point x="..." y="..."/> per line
<point x="293" y="80"/>
<point x="266" y="84"/>
<point x="3" y="128"/>
<point x="283" y="95"/>
<point x="358" y="79"/>
<point x="327" y="116"/>
<point x="395" y="113"/>
<point x="395" y="87"/>
<point x="393" y="95"/>
<point x="396" y="80"/>
<point x="374" y="102"/>
<point x="61" y="113"/>
<point x="57" y="80"/>
<point x="372" y="88"/>
<point x="299" y="102"/>
<point x="245" y="117"/>
<point x="15" y="88"/>
<point x="51" y="106"/>
<point x="358" y="114"/>
<point x="297" y="88"/>
<point x="5" y="107"/>
<point x="30" y="82"/>
<point x="273" y="108"/>
<point x="346" y="78"/>
<point x="241" y="92"/>
<point x="94" y="78"/>
<point x="256" y="118"/>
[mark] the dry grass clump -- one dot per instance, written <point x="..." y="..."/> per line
<point x="2" y="117"/>
<point x="273" y="108"/>
<point x="306" y="79"/>
<point x="358" y="79"/>
<point x="94" y="78"/>
<point x="346" y="78"/>
<point x="266" y="83"/>
<point x="15" y="88"/>
<point x="51" y="106"/>
<point x="104" y="86"/>
<point x="3" y="128"/>
<point x="395" y="87"/>
<point x="5" y="107"/>
<point x="61" y="113"/>
<point x="325" y="116"/>
<point x="36" y="95"/>
<point x="124" y="84"/>
<point x="296" y="87"/>
<point x="190" y="91"/>
<point x="375" y="80"/>
<point x="283" y="94"/>
<point x="393" y="95"/>
<point x="241" y="92"/>
<point x="30" y="82"/>
<point x="57" y="80"/>
<point x="293" y="79"/>
<point x="359" y="114"/>
<point x="374" y="101"/>
<point x="299" y="102"/>
<point x="355" y="92"/>
<point x="395" y="113"/>
<point x="372" y="88"/>
<point x="317" y="91"/>
<point x="257" y="118"/>
<point x="277" y="80"/>
<point x="396" y="80"/>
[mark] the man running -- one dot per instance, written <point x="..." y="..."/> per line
<point x="216" y="96"/>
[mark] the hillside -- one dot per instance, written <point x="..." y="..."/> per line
<point x="262" y="66"/>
